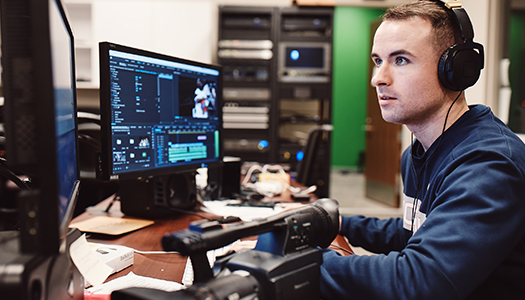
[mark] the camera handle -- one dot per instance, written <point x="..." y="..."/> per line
<point x="201" y="267"/>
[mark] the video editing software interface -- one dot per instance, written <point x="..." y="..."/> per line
<point x="163" y="113"/>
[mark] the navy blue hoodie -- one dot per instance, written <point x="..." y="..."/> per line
<point x="465" y="239"/>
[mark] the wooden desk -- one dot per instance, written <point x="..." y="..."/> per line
<point x="168" y="266"/>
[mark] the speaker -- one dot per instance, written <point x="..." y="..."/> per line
<point x="158" y="196"/>
<point x="460" y="65"/>
<point x="226" y="179"/>
<point x="231" y="177"/>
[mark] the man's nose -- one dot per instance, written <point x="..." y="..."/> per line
<point x="380" y="76"/>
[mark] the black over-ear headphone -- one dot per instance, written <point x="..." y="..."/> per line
<point x="461" y="64"/>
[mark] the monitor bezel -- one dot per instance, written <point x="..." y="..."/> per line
<point x="285" y="71"/>
<point x="105" y="159"/>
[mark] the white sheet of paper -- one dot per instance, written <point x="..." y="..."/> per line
<point x="133" y="280"/>
<point x="94" y="270"/>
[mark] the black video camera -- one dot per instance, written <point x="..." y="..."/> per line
<point x="284" y="264"/>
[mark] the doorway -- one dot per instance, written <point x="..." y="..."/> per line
<point x="383" y="149"/>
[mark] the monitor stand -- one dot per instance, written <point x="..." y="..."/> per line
<point x="38" y="276"/>
<point x="158" y="196"/>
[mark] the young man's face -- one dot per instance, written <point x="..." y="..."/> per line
<point x="406" y="78"/>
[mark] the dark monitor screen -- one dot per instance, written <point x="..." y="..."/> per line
<point x="40" y="118"/>
<point x="159" y="114"/>
<point x="305" y="57"/>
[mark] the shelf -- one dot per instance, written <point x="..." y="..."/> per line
<point x="300" y="120"/>
<point x="86" y="85"/>
<point x="295" y="104"/>
<point x="83" y="65"/>
<point x="80" y="18"/>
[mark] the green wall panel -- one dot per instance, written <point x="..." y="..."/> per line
<point x="351" y="58"/>
<point x="516" y="53"/>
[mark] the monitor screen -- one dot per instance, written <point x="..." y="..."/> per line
<point x="306" y="61"/>
<point x="63" y="69"/>
<point x="304" y="57"/>
<point x="159" y="114"/>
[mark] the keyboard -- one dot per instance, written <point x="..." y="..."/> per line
<point x="187" y="277"/>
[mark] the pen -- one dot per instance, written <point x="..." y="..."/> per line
<point x="93" y="296"/>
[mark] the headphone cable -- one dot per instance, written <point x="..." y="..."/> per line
<point x="414" y="202"/>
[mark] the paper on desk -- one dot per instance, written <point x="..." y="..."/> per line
<point x="246" y="213"/>
<point x="132" y="280"/>
<point x="88" y="263"/>
<point x="111" y="226"/>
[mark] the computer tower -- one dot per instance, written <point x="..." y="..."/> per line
<point x="158" y="196"/>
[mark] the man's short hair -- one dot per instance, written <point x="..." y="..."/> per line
<point x="445" y="28"/>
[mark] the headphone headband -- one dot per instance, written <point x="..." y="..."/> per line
<point x="465" y="26"/>
<point x="461" y="64"/>
<point x="452" y="4"/>
<point x="462" y="18"/>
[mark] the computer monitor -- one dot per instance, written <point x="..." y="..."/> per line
<point x="40" y="118"/>
<point x="161" y="120"/>
<point x="304" y="61"/>
<point x="38" y="79"/>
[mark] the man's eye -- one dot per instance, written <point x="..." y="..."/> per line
<point x="378" y="62"/>
<point x="401" y="61"/>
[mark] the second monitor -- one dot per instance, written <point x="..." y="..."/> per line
<point x="161" y="120"/>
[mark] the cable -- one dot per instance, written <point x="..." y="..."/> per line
<point x="89" y="140"/>
<point x="115" y="199"/>
<point x="414" y="202"/>
<point x="272" y="187"/>
<point x="248" y="176"/>
<point x="4" y="171"/>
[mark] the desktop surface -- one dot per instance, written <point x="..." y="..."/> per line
<point x="166" y="266"/>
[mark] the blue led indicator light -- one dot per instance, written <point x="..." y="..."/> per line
<point x="294" y="54"/>
<point x="299" y="156"/>
<point x="262" y="144"/>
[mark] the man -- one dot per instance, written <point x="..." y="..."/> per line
<point x="463" y="233"/>
<point x="201" y="99"/>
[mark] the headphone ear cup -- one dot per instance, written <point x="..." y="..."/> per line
<point x="444" y="69"/>
<point x="460" y="66"/>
